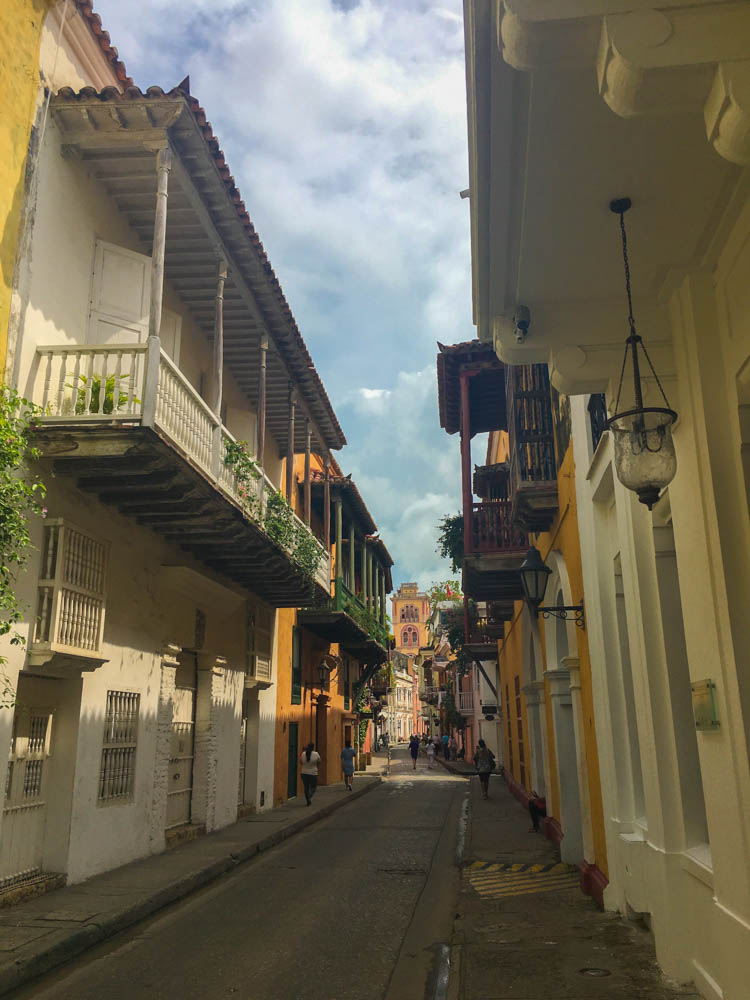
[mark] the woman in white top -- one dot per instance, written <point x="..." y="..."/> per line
<point x="309" y="760"/>
<point x="431" y="753"/>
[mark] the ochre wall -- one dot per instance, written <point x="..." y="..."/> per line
<point x="563" y="537"/>
<point x="337" y="718"/>
<point x="20" y="35"/>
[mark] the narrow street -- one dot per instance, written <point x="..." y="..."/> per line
<point x="351" y="909"/>
<point x="418" y="889"/>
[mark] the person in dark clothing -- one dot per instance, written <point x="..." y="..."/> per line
<point x="484" y="761"/>
<point x="309" y="760"/>
<point x="414" y="749"/>
<point x="537" y="810"/>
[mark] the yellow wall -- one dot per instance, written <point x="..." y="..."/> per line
<point x="563" y="537"/>
<point x="20" y="35"/>
<point x="329" y="739"/>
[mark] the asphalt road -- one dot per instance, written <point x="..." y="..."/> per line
<point x="358" y="907"/>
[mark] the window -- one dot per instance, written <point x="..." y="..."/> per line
<point x="409" y="636"/>
<point x="347" y="685"/>
<point x="260" y="620"/>
<point x="118" y="748"/>
<point x="296" y="666"/>
<point x="71" y="591"/>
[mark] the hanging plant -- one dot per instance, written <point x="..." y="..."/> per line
<point x="21" y="498"/>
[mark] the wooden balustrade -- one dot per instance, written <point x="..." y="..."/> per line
<point x="105" y="383"/>
<point x="493" y="530"/>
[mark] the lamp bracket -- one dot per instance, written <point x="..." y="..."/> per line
<point x="565" y="611"/>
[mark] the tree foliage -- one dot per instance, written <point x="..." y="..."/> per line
<point x="21" y="499"/>
<point x="451" y="540"/>
<point x="444" y="590"/>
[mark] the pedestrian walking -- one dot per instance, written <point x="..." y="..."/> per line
<point x="484" y="761"/>
<point x="414" y="749"/>
<point x="453" y="747"/>
<point x="431" y="754"/>
<point x="309" y="760"/>
<point x="347" y="763"/>
<point x="446" y="741"/>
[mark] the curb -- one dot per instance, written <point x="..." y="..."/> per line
<point x="80" y="939"/>
<point x="448" y="765"/>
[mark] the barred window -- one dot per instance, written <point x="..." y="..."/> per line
<point x="118" y="749"/>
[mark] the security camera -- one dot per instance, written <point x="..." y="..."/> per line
<point x="522" y="319"/>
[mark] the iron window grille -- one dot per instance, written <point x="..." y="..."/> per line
<point x="296" y="666"/>
<point x="119" y="746"/>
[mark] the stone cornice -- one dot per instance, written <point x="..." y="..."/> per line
<point x="649" y="60"/>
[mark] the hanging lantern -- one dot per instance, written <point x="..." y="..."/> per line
<point x="534" y="575"/>
<point x="645" y="459"/>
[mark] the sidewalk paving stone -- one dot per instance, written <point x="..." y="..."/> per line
<point x="517" y="944"/>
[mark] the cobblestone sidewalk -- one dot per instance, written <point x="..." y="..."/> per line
<point x="524" y="931"/>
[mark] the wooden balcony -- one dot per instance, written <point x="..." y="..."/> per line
<point x="466" y="702"/>
<point x="343" y="619"/>
<point x="533" y="465"/>
<point x="495" y="552"/>
<point x="126" y="423"/>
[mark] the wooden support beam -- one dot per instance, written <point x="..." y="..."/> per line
<point x="151" y="374"/>
<point x="290" y="445"/>
<point x="308" y="442"/>
<point x="337" y="506"/>
<point x="263" y="350"/>
<point x="466" y="464"/>
<point x="352" y="567"/>
<point x="327" y="504"/>
<point x="218" y="359"/>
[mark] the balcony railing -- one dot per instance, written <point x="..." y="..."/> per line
<point x="533" y="465"/>
<point x="493" y="530"/>
<point x="597" y="416"/>
<point x="127" y="385"/>
<point x="466" y="702"/>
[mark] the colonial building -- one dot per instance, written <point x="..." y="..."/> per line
<point x="410" y="612"/>
<point x="177" y="399"/>
<point x="330" y="651"/>
<point x="570" y="112"/>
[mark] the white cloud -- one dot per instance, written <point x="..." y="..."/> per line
<point x="344" y="125"/>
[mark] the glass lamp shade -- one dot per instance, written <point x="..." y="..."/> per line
<point x="534" y="576"/>
<point x="645" y="459"/>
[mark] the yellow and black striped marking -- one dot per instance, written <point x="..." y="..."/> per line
<point x="497" y="880"/>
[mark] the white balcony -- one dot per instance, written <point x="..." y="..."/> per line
<point x="124" y="387"/>
<point x="466" y="702"/>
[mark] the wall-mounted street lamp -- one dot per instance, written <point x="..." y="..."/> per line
<point x="327" y="667"/>
<point x="645" y="459"/>
<point x="534" y="577"/>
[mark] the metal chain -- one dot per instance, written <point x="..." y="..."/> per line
<point x="653" y="372"/>
<point x="626" y="262"/>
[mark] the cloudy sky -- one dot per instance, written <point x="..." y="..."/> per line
<point x="344" y="124"/>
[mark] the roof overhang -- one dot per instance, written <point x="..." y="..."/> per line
<point x="570" y="105"/>
<point x="338" y="626"/>
<point x="487" y="404"/>
<point x="115" y="135"/>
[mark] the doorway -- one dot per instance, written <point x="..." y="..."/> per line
<point x="291" y="784"/>
<point x="24" y="806"/>
<point x="182" y="744"/>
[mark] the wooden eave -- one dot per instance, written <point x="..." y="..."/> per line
<point x="487" y="401"/>
<point x="114" y="136"/>
<point x="338" y="626"/>
<point x="145" y="478"/>
<point x="489" y="580"/>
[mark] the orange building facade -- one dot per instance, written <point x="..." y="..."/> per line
<point x="327" y="654"/>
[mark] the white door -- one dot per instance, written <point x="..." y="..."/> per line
<point x="24" y="807"/>
<point x="120" y="294"/>
<point x="182" y="747"/>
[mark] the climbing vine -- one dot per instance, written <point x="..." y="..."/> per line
<point x="21" y="498"/>
<point x="278" y="522"/>
<point x="246" y="474"/>
<point x="369" y="622"/>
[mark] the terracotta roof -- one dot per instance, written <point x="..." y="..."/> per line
<point x="111" y="95"/>
<point x="86" y="10"/>
<point x="488" y="410"/>
<point x="348" y="488"/>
